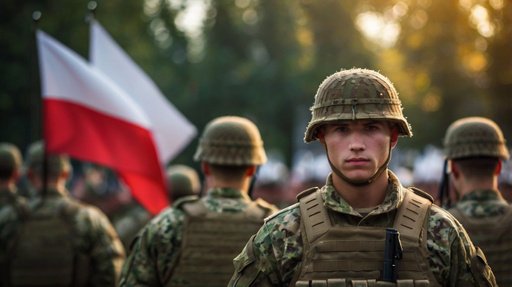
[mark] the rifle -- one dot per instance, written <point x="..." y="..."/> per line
<point x="392" y="253"/>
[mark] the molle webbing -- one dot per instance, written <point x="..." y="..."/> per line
<point x="211" y="241"/>
<point x="362" y="283"/>
<point x="354" y="254"/>
<point x="494" y="237"/>
<point x="43" y="253"/>
<point x="411" y="216"/>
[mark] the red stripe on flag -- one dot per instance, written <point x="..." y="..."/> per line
<point x="88" y="135"/>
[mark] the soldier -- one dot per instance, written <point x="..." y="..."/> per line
<point x="193" y="244"/>
<point x="61" y="242"/>
<point x="183" y="183"/>
<point x="336" y="235"/>
<point x="12" y="205"/>
<point x="10" y="170"/>
<point x="475" y="148"/>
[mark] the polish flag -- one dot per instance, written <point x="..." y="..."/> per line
<point x="171" y="130"/>
<point x="88" y="117"/>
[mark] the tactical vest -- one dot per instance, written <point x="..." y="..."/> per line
<point x="43" y="254"/>
<point x="336" y="255"/>
<point x="211" y="241"/>
<point x="494" y="236"/>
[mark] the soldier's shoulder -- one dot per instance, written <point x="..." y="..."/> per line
<point x="178" y="203"/>
<point x="170" y="217"/>
<point x="420" y="193"/>
<point x="441" y="220"/>
<point x="281" y="215"/>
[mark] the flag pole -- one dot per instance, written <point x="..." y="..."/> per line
<point x="91" y="7"/>
<point x="36" y="17"/>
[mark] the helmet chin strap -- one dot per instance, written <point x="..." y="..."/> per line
<point x="362" y="182"/>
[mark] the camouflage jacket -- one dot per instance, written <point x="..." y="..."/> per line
<point x="274" y="256"/>
<point x="94" y="236"/>
<point x="482" y="203"/>
<point x="12" y="208"/>
<point x="156" y="249"/>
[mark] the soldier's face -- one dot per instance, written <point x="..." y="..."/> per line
<point x="358" y="148"/>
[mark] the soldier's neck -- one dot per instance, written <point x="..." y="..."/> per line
<point x="213" y="182"/>
<point x="364" y="196"/>
<point x="470" y="184"/>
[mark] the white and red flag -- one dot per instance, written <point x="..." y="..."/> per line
<point x="171" y="130"/>
<point x="87" y="116"/>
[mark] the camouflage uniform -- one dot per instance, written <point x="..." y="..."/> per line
<point x="157" y="248"/>
<point x="97" y="253"/>
<point x="486" y="216"/>
<point x="483" y="203"/>
<point x="95" y="238"/>
<point x="12" y="205"/>
<point x="165" y="251"/>
<point x="277" y="254"/>
<point x="9" y="197"/>
<point x="12" y="208"/>
<point x="129" y="222"/>
<point x="274" y="256"/>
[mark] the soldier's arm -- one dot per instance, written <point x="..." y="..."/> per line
<point x="273" y="255"/>
<point x="139" y="268"/>
<point x="107" y="254"/>
<point x="454" y="259"/>
<point x="249" y="271"/>
<point x="154" y="251"/>
<point x="477" y="272"/>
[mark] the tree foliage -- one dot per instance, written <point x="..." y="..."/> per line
<point x="265" y="59"/>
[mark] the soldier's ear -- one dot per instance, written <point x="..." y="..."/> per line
<point x="250" y="171"/>
<point x="205" y="168"/>
<point x="320" y="134"/>
<point x="394" y="136"/>
<point x="454" y="169"/>
<point x="499" y="166"/>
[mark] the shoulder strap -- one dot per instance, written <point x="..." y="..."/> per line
<point x="194" y="208"/>
<point x="411" y="214"/>
<point x="178" y="203"/>
<point x="313" y="214"/>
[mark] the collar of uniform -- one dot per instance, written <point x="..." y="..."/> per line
<point x="394" y="195"/>
<point x="482" y="195"/>
<point x="54" y="192"/>
<point x="482" y="203"/>
<point x="227" y="192"/>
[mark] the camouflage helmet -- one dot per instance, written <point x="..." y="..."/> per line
<point x="10" y="159"/>
<point x="475" y="137"/>
<point x="183" y="181"/>
<point x="231" y="140"/>
<point x="56" y="163"/>
<point x="356" y="94"/>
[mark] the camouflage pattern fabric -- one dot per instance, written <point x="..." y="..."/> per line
<point x="482" y="203"/>
<point x="95" y="237"/>
<point x="130" y="222"/>
<point x="274" y="256"/>
<point x="11" y="208"/>
<point x="157" y="248"/>
<point x="487" y="218"/>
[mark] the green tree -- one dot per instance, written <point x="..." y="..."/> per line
<point x="499" y="69"/>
